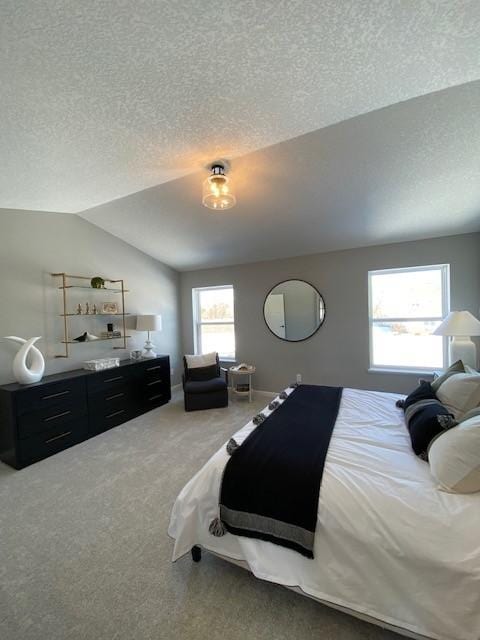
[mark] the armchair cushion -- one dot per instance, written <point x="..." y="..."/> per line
<point x="205" y="386"/>
<point x="202" y="373"/>
<point x="205" y="360"/>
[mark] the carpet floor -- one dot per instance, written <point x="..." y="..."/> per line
<point x="84" y="551"/>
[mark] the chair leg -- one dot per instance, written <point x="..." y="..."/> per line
<point x="196" y="553"/>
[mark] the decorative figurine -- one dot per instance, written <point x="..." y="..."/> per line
<point x="86" y="337"/>
<point x="87" y="309"/>
<point x="79" y="309"/>
<point x="97" y="282"/>
<point x="95" y="310"/>
<point x="23" y="373"/>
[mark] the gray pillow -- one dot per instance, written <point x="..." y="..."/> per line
<point x="456" y="367"/>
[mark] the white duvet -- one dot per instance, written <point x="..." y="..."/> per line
<point x="388" y="543"/>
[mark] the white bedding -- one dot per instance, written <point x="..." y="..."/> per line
<point x="388" y="543"/>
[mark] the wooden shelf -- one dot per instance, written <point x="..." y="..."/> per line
<point x="104" y="289"/>
<point x="93" y="341"/>
<point x="65" y="287"/>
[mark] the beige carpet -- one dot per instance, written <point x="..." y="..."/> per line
<point x="84" y="551"/>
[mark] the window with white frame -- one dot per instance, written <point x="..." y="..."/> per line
<point x="213" y="321"/>
<point x="405" y="307"/>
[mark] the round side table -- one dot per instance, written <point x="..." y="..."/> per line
<point x="242" y="381"/>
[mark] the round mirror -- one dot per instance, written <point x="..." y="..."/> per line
<point x="294" y="310"/>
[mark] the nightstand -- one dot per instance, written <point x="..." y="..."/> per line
<point x="242" y="381"/>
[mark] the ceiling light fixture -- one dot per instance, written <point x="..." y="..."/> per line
<point x="217" y="188"/>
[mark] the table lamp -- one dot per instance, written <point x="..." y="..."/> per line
<point x="149" y="323"/>
<point x="460" y="326"/>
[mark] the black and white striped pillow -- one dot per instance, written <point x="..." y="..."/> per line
<point x="426" y="418"/>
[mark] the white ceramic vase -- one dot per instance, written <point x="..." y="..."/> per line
<point x="23" y="373"/>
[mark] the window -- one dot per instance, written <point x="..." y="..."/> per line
<point x="213" y="321"/>
<point x="405" y="307"/>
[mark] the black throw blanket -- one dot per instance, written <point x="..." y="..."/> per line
<point x="271" y="483"/>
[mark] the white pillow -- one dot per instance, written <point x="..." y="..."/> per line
<point x="460" y="392"/>
<point x="454" y="458"/>
<point x="206" y="360"/>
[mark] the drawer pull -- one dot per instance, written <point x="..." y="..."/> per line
<point x="55" y="395"/>
<point x="159" y="395"/>
<point x="56" y="416"/>
<point x="115" y="413"/>
<point x="114" y="379"/>
<point x="159" y="366"/>
<point x="149" y="384"/>
<point x="62" y="435"/>
<point x="117" y="395"/>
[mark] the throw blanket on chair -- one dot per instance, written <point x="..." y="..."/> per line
<point x="271" y="483"/>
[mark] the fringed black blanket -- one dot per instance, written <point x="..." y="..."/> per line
<point x="271" y="483"/>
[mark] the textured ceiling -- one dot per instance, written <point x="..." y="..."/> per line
<point x="103" y="99"/>
<point x="404" y="172"/>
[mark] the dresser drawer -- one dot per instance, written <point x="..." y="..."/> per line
<point x="154" y="398"/>
<point x="103" y="401"/>
<point x="153" y="369"/>
<point x="50" y="442"/>
<point x="108" y="390"/>
<point x="51" y="395"/>
<point x="104" y="418"/>
<point x="46" y="418"/>
<point x="109" y="379"/>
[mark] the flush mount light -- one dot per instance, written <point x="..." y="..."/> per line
<point x="217" y="188"/>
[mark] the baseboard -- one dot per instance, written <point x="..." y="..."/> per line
<point x="270" y="394"/>
<point x="259" y="392"/>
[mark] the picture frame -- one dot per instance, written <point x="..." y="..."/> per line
<point x="109" y="308"/>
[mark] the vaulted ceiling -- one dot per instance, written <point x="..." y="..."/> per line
<point x="404" y="172"/>
<point x="100" y="100"/>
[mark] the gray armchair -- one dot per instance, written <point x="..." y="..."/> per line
<point x="204" y="387"/>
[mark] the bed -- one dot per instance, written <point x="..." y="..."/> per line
<point x="389" y="546"/>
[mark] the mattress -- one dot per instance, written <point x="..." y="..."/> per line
<point x="388" y="543"/>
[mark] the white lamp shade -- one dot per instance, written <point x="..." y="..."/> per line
<point x="149" y="323"/>
<point x="458" y="323"/>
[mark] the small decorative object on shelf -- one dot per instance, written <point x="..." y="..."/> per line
<point x="87" y="309"/>
<point x="101" y="363"/>
<point x="79" y="309"/>
<point x="86" y="337"/>
<point x="94" y="310"/>
<point x="136" y="354"/>
<point x="97" y="282"/>
<point x="110" y="333"/>
<point x="109" y="308"/>
<point x="23" y="373"/>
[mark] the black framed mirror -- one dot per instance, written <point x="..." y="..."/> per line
<point x="294" y="310"/>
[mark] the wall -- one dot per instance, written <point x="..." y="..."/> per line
<point x="32" y="245"/>
<point x="338" y="353"/>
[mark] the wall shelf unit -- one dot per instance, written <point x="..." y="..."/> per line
<point x="68" y="286"/>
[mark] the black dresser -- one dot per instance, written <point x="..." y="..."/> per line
<point x="38" y="420"/>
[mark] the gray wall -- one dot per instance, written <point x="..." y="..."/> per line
<point x="32" y="245"/>
<point x="338" y="353"/>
